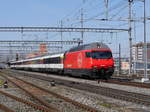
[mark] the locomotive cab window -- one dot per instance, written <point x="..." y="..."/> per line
<point x="99" y="54"/>
<point x="88" y="54"/>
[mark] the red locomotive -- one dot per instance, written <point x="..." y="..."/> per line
<point x="90" y="60"/>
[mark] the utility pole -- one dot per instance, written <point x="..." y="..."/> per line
<point x="130" y="38"/>
<point x="10" y="52"/>
<point x="61" y="36"/>
<point x="119" y="59"/>
<point x="17" y="56"/>
<point x="135" y="60"/>
<point x="82" y="33"/>
<point x="23" y="44"/>
<point x="106" y="8"/>
<point x="145" y="46"/>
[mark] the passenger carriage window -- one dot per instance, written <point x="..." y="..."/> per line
<point x="46" y="61"/>
<point x="52" y="60"/>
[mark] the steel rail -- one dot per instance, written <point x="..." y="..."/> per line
<point x="132" y="84"/>
<point x="35" y="106"/>
<point x="125" y="95"/>
<point x="51" y="109"/>
<point x="5" y="109"/>
<point x="85" y="107"/>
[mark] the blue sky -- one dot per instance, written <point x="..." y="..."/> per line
<point x="50" y="12"/>
<point x="34" y="12"/>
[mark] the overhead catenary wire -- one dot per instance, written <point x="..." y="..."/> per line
<point x="116" y="6"/>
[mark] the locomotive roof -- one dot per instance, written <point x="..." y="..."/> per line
<point x="95" y="45"/>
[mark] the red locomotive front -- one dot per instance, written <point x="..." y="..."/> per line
<point x="91" y="60"/>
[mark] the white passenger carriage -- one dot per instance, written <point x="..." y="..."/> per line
<point x="50" y="63"/>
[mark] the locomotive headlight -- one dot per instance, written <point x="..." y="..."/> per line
<point x="110" y="66"/>
<point x="95" y="66"/>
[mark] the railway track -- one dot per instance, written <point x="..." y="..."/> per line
<point x="5" y="108"/>
<point x="133" y="76"/>
<point x="126" y="83"/>
<point x="33" y="105"/>
<point x="109" y="92"/>
<point x="11" y="78"/>
<point x="29" y="92"/>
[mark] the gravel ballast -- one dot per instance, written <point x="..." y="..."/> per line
<point x="102" y="103"/>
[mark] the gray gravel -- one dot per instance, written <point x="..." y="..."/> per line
<point x="53" y="101"/>
<point x="115" y="86"/>
<point x="14" y="105"/>
<point x="11" y="103"/>
<point x="102" y="103"/>
<point x="77" y="95"/>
